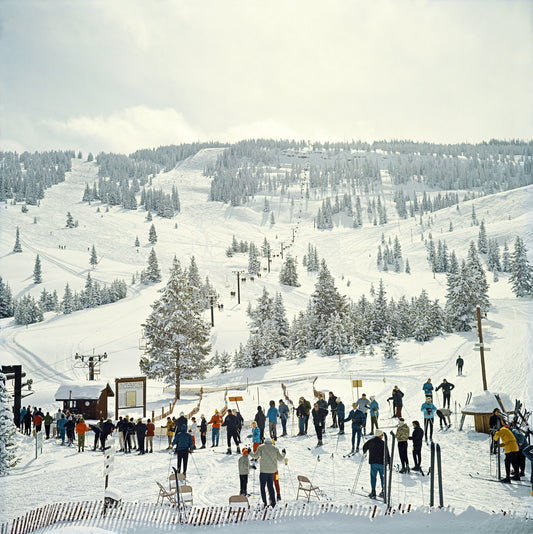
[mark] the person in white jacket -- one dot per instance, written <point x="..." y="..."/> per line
<point x="269" y="456"/>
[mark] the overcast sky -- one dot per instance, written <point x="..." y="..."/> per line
<point x="119" y="75"/>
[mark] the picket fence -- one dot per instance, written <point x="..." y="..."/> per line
<point x="125" y="516"/>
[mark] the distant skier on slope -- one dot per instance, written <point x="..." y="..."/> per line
<point x="459" y="362"/>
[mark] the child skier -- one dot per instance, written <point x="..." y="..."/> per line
<point x="244" y="470"/>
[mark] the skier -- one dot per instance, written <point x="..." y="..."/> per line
<point x="96" y="429"/>
<point x="341" y="412"/>
<point x="140" y="430"/>
<point x="402" y="435"/>
<point x="81" y="430"/>
<point x="374" y="414"/>
<point x="269" y="456"/>
<point x="446" y="391"/>
<point x="522" y="443"/>
<point x="255" y="435"/>
<point x="260" y="419"/>
<point x="358" y="419"/>
<point x="495" y="423"/>
<point x="363" y="404"/>
<point x="459" y="362"/>
<point x="57" y="417"/>
<point x="61" y="428"/>
<point x="27" y="422"/>
<point x="231" y="423"/>
<point x="318" y="417"/>
<point x="128" y="434"/>
<point x="332" y="403"/>
<point x="429" y="409"/>
<point x="170" y="431"/>
<point x="70" y="426"/>
<point x="216" y="421"/>
<point x="183" y="442"/>
<point x="428" y="389"/>
<point x="37" y="422"/>
<point x="48" y="420"/>
<point x="417" y="437"/>
<point x="194" y="426"/>
<point x="107" y="430"/>
<point x="23" y="412"/>
<point x="283" y="410"/>
<point x="397" y="401"/>
<point x="307" y="406"/>
<point x="203" y="431"/>
<point x="511" y="451"/>
<point x="301" y="414"/>
<point x="323" y="405"/>
<point x="182" y="420"/>
<point x="120" y="426"/>
<point x="377" y="456"/>
<point x="444" y="417"/>
<point x="244" y="470"/>
<point x="272" y="416"/>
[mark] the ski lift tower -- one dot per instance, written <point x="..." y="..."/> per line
<point x="92" y="361"/>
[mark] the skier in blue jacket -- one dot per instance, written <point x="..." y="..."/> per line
<point x="428" y="388"/>
<point x="340" y="414"/>
<point x="358" y="420"/>
<point x="184" y="445"/>
<point x="272" y="417"/>
<point x="428" y="409"/>
<point x="374" y="414"/>
<point x="61" y="427"/>
<point x="283" y="410"/>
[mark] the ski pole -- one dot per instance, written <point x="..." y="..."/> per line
<point x="290" y="474"/>
<point x="356" y="481"/>
<point x="194" y="462"/>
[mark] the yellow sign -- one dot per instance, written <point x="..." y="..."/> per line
<point x="235" y="399"/>
<point x="131" y="398"/>
<point x="357" y="383"/>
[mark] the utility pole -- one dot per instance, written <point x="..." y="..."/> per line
<point x="481" y="348"/>
<point x="14" y="372"/>
<point x="91" y="361"/>
<point x="212" y="304"/>
<point x="281" y="250"/>
<point x="238" y="273"/>
<point x="269" y="260"/>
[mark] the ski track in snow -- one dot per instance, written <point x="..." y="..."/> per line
<point x="205" y="230"/>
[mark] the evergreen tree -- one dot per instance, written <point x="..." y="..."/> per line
<point x="298" y="336"/>
<point x="223" y="360"/>
<point x="90" y="156"/>
<point x="482" y="243"/>
<point x="152" y="273"/>
<point x="70" y="220"/>
<point x="149" y="216"/>
<point x="8" y="430"/>
<point x="390" y="344"/>
<point x="37" y="271"/>
<point x="279" y="317"/>
<point x="137" y="243"/>
<point x="27" y="311"/>
<point x="176" y="333"/>
<point x="325" y="301"/>
<point x="287" y="274"/>
<point x="337" y="336"/>
<point x="493" y="256"/>
<point x="93" y="259"/>
<point x="506" y="258"/>
<point x="521" y="271"/>
<point x="461" y="301"/>
<point x="67" y="304"/>
<point x="152" y="236"/>
<point x="17" y="247"/>
<point x="379" y="315"/>
<point x="272" y="219"/>
<point x="480" y="285"/>
<point x="407" y="267"/>
<point x="254" y="264"/>
<point x="6" y="300"/>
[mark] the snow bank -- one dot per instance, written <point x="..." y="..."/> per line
<point x="486" y="402"/>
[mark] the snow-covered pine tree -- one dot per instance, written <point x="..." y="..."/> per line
<point x="254" y="264"/>
<point x="70" y="220"/>
<point x="407" y="266"/>
<point x="6" y="300"/>
<point x="482" y="243"/>
<point x="480" y="285"/>
<point x="223" y="360"/>
<point x="460" y="299"/>
<point x="262" y="313"/>
<point x="493" y="256"/>
<point x="521" y="271"/>
<point x="27" y="311"/>
<point x="337" y="339"/>
<point x="506" y="258"/>
<point x="67" y="303"/>
<point x="288" y="275"/>
<point x="152" y="235"/>
<point x="298" y="336"/>
<point x="325" y="301"/>
<point x="137" y="242"/>
<point x="178" y="337"/>
<point x="8" y="430"/>
<point x="379" y="313"/>
<point x="195" y="282"/>
<point x="152" y="272"/>
<point x="149" y="216"/>
<point x="90" y="156"/>
<point x="390" y="344"/>
<point x="272" y="219"/>
<point x="281" y="323"/>
<point x="93" y="259"/>
<point x="422" y="329"/>
<point x="37" y="271"/>
<point x="17" y="247"/>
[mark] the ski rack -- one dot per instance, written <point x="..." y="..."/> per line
<point x="435" y="447"/>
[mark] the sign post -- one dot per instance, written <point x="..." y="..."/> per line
<point x="38" y="443"/>
<point x="357" y="384"/>
<point x="236" y="401"/>
<point x="130" y="393"/>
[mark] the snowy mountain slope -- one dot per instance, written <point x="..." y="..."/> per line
<point x="205" y="230"/>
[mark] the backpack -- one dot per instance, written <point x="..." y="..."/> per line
<point x="520" y="438"/>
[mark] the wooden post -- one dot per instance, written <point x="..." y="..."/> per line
<point x="481" y="349"/>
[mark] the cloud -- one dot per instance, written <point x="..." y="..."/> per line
<point x="123" y="131"/>
<point x="143" y="127"/>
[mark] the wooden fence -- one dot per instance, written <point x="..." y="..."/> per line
<point x="125" y="516"/>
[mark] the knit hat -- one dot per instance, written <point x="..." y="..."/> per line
<point x="378" y="433"/>
<point x="181" y="414"/>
